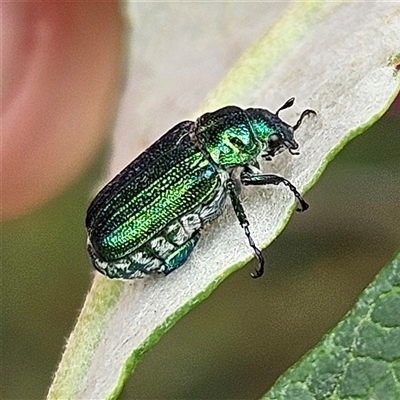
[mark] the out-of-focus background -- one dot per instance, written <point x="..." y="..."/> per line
<point x="239" y="341"/>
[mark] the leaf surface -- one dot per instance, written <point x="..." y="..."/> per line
<point x="336" y="58"/>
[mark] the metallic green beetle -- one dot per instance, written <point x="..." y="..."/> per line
<point x="148" y="219"/>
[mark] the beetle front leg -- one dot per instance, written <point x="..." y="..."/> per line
<point x="244" y="223"/>
<point x="250" y="177"/>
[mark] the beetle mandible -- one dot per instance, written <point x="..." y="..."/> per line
<point x="148" y="219"/>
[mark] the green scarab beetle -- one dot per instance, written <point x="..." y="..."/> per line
<point x="149" y="218"/>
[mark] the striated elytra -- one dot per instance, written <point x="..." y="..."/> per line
<point x="148" y="219"/>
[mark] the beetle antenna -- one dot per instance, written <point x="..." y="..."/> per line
<point x="288" y="104"/>
<point x="303" y="114"/>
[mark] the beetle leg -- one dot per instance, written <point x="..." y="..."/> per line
<point x="244" y="223"/>
<point x="250" y="177"/>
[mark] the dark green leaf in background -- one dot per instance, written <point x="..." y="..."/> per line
<point x="360" y="357"/>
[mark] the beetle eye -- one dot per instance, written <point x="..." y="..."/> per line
<point x="274" y="141"/>
<point x="236" y="142"/>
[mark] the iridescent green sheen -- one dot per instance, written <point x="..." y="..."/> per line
<point x="264" y="124"/>
<point x="162" y="184"/>
<point x="228" y="137"/>
<point x="148" y="219"/>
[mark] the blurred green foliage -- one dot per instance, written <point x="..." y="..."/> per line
<point x="360" y="357"/>
<point x="238" y="342"/>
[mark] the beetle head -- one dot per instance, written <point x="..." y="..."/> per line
<point x="276" y="135"/>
